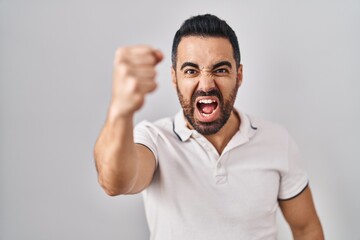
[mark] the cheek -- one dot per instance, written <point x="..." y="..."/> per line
<point x="187" y="87"/>
<point x="226" y="87"/>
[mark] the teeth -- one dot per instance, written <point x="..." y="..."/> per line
<point x="205" y="115"/>
<point x="206" y="101"/>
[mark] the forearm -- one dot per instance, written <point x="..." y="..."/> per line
<point x="115" y="155"/>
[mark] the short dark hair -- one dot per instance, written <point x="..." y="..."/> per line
<point x="206" y="25"/>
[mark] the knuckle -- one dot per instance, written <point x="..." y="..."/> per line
<point x="123" y="69"/>
<point x="153" y="73"/>
<point x="144" y="48"/>
<point x="139" y="98"/>
<point x="121" y="51"/>
<point x="150" y="72"/>
<point x="121" y="72"/>
<point x="120" y="54"/>
<point x="152" y="86"/>
<point x="152" y="59"/>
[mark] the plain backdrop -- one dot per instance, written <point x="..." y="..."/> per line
<point x="301" y="69"/>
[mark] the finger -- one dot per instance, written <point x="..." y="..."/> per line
<point x="159" y="56"/>
<point x="138" y="55"/>
<point x="147" y="86"/>
<point x="124" y="70"/>
<point x="140" y="73"/>
<point x="137" y="60"/>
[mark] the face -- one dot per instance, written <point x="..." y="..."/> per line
<point x="206" y="80"/>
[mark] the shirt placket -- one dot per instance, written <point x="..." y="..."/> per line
<point x="219" y="170"/>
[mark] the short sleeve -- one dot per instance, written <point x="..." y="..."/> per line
<point x="145" y="135"/>
<point x="294" y="178"/>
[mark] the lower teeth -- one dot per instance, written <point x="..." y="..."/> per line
<point x="205" y="114"/>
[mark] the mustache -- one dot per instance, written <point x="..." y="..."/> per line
<point x="213" y="92"/>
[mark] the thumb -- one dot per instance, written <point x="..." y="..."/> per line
<point x="159" y="56"/>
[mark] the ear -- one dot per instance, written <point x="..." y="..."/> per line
<point x="239" y="75"/>
<point x="173" y="76"/>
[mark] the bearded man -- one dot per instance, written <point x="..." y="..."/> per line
<point x="211" y="171"/>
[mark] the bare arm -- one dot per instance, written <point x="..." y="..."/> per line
<point x="301" y="215"/>
<point x="124" y="167"/>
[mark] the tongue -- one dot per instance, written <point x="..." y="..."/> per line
<point x="207" y="108"/>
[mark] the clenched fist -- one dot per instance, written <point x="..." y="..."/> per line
<point x="133" y="77"/>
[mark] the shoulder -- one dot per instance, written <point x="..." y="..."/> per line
<point x="158" y="127"/>
<point x="269" y="130"/>
<point x="263" y="124"/>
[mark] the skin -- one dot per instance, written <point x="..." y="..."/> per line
<point x="203" y="76"/>
<point x="302" y="218"/>
<point x="127" y="168"/>
<point x="124" y="167"/>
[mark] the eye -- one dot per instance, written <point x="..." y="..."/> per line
<point x="190" y="71"/>
<point x="221" y="71"/>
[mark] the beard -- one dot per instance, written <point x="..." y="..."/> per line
<point x="225" y="106"/>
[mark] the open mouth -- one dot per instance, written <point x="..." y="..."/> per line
<point x="207" y="108"/>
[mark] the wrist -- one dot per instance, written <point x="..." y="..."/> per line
<point x="117" y="113"/>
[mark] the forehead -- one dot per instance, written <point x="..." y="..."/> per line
<point x="204" y="50"/>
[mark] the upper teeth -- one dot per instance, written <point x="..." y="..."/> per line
<point x="206" y="101"/>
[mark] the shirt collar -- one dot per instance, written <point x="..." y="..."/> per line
<point x="180" y="127"/>
<point x="247" y="128"/>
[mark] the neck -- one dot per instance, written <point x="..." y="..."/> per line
<point x="224" y="135"/>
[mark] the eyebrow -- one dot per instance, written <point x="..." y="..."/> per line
<point x="194" y="65"/>
<point x="222" y="63"/>
<point x="189" y="64"/>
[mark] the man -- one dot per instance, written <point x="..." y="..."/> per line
<point x="210" y="172"/>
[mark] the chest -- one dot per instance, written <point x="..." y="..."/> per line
<point x="239" y="185"/>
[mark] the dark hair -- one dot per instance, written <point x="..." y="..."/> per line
<point x="206" y="26"/>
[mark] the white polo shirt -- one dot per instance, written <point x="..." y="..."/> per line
<point x="197" y="194"/>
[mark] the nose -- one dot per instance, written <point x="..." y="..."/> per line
<point x="206" y="82"/>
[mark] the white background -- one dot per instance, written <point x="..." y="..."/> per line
<point x="301" y="69"/>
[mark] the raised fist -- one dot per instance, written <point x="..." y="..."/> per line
<point x="133" y="77"/>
